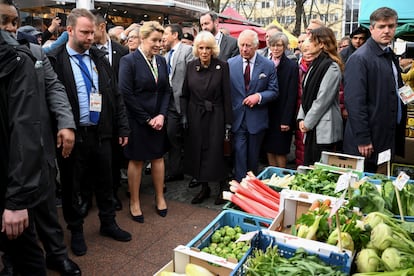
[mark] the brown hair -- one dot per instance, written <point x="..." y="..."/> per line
<point x="326" y="36"/>
<point x="77" y="13"/>
<point x="381" y="14"/>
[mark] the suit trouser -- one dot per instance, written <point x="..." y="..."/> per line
<point x="91" y="158"/>
<point x="47" y="223"/>
<point x="175" y="136"/>
<point x="246" y="151"/>
<point x="24" y="252"/>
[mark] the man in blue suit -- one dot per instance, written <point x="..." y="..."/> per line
<point x="253" y="85"/>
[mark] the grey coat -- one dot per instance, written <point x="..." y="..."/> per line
<point x="325" y="113"/>
<point x="182" y="56"/>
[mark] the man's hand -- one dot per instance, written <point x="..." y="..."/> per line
<point x="366" y="150"/>
<point x="66" y="140"/>
<point x="252" y="100"/>
<point x="14" y="222"/>
<point x="123" y="141"/>
<point x="157" y="122"/>
<point x="55" y="25"/>
<point x="184" y="122"/>
<point x="284" y="128"/>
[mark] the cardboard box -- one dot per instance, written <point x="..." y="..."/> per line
<point x="344" y="161"/>
<point x="292" y="205"/>
<point x="341" y="163"/>
<point x="184" y="255"/>
<point x="169" y="267"/>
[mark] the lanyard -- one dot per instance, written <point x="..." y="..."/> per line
<point x="152" y="65"/>
<point x="88" y="75"/>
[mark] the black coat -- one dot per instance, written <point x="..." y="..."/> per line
<point x="371" y="101"/>
<point x="207" y="103"/>
<point x="113" y="114"/>
<point x="21" y="148"/>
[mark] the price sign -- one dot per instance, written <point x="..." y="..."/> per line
<point x="247" y="236"/>
<point x="337" y="204"/>
<point x="343" y="182"/>
<point x="384" y="156"/>
<point x="401" y="180"/>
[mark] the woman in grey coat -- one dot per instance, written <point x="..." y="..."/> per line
<point x="319" y="115"/>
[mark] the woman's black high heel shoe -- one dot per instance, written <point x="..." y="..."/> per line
<point x="202" y="195"/>
<point x="160" y="212"/>
<point x="139" y="218"/>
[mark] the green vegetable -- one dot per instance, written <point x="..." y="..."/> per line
<point x="271" y="263"/>
<point x="396" y="260"/>
<point x="407" y="272"/>
<point x="346" y="240"/>
<point x="317" y="181"/>
<point x="367" y="260"/>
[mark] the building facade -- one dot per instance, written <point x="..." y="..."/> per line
<point x="340" y="15"/>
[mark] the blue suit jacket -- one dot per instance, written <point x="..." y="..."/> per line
<point x="264" y="81"/>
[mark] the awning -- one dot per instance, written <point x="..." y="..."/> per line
<point x="236" y="29"/>
<point x="293" y="40"/>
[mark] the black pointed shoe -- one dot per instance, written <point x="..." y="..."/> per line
<point x="202" y="195"/>
<point x="193" y="183"/>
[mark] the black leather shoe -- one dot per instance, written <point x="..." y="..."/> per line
<point x="170" y="178"/>
<point x="115" y="232"/>
<point x="118" y="203"/>
<point x="65" y="267"/>
<point x="84" y="208"/>
<point x="193" y="183"/>
<point x="202" y="195"/>
<point x="77" y="243"/>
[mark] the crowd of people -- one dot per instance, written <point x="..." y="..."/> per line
<point x="123" y="98"/>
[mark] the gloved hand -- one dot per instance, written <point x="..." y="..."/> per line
<point x="184" y="122"/>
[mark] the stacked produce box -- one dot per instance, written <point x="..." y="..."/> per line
<point x="300" y="223"/>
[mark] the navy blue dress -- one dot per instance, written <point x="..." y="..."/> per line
<point x="144" y="99"/>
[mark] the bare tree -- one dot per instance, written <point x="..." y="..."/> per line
<point x="299" y="12"/>
<point x="214" y="5"/>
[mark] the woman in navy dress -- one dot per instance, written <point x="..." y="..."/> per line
<point x="144" y="84"/>
<point x="282" y="112"/>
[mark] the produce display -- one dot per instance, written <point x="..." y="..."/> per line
<point x="254" y="197"/>
<point x="377" y="193"/>
<point x="271" y="262"/>
<point x="316" y="225"/>
<point x="382" y="244"/>
<point x="223" y="243"/>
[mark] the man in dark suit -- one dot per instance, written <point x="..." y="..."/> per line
<point x="114" y="51"/>
<point x="228" y="45"/>
<point x="253" y="84"/>
<point x="376" y="114"/>
<point x="99" y="112"/>
<point x="179" y="54"/>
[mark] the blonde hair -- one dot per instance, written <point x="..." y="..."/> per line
<point x="208" y="38"/>
<point x="149" y="27"/>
